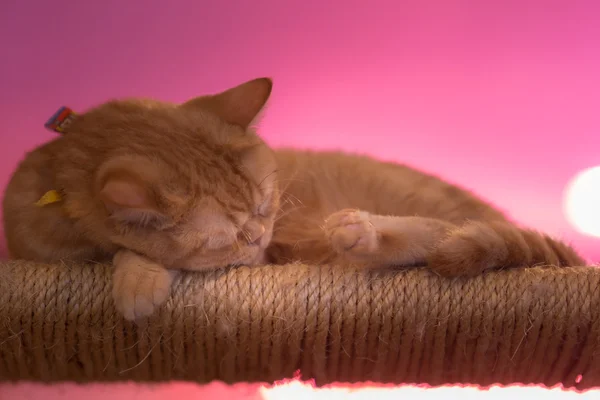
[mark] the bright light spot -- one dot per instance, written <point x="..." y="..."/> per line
<point x="296" y="390"/>
<point x="582" y="202"/>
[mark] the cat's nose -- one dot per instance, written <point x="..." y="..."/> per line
<point x="255" y="231"/>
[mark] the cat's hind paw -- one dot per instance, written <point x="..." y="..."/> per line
<point x="468" y="251"/>
<point x="351" y="233"/>
<point x="139" y="285"/>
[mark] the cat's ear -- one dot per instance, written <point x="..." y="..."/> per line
<point x="127" y="195"/>
<point x="239" y="105"/>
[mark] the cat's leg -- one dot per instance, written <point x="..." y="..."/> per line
<point x="477" y="246"/>
<point x="450" y="250"/>
<point x="379" y="240"/>
<point x="139" y="284"/>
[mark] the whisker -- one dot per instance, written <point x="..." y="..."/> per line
<point x="286" y="186"/>
<point x="285" y="201"/>
<point x="297" y="199"/>
<point x="304" y="240"/>
<point x="268" y="175"/>
<point x="279" y="216"/>
<point x="237" y="245"/>
<point x="291" y="180"/>
<point x="246" y="234"/>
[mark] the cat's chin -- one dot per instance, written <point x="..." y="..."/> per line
<point x="248" y="256"/>
<point x="257" y="256"/>
<point x="259" y="259"/>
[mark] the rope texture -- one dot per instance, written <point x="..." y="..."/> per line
<point x="538" y="325"/>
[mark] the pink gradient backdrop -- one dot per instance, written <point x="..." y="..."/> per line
<point x="501" y="97"/>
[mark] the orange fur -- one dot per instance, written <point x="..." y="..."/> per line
<point x="161" y="187"/>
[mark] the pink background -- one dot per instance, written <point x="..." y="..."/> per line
<point x="499" y="96"/>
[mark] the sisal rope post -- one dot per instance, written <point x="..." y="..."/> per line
<point x="333" y="324"/>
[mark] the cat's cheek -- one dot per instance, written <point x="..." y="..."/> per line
<point x="218" y="241"/>
<point x="261" y="258"/>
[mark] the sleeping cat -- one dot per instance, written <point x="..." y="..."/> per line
<point x="162" y="187"/>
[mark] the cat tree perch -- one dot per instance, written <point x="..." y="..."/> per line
<point x="540" y="325"/>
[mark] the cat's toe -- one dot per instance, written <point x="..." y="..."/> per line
<point x="351" y="233"/>
<point x="124" y="304"/>
<point x="139" y="290"/>
<point x="344" y="217"/>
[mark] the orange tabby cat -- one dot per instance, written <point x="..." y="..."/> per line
<point x="162" y="187"/>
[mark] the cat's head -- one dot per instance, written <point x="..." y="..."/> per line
<point x="190" y="185"/>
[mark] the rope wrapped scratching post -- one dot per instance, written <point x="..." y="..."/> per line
<point x="539" y="325"/>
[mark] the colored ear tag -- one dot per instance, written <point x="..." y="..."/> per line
<point x="51" y="196"/>
<point x="61" y="119"/>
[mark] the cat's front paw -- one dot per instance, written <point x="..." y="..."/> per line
<point x="139" y="284"/>
<point x="351" y="233"/>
